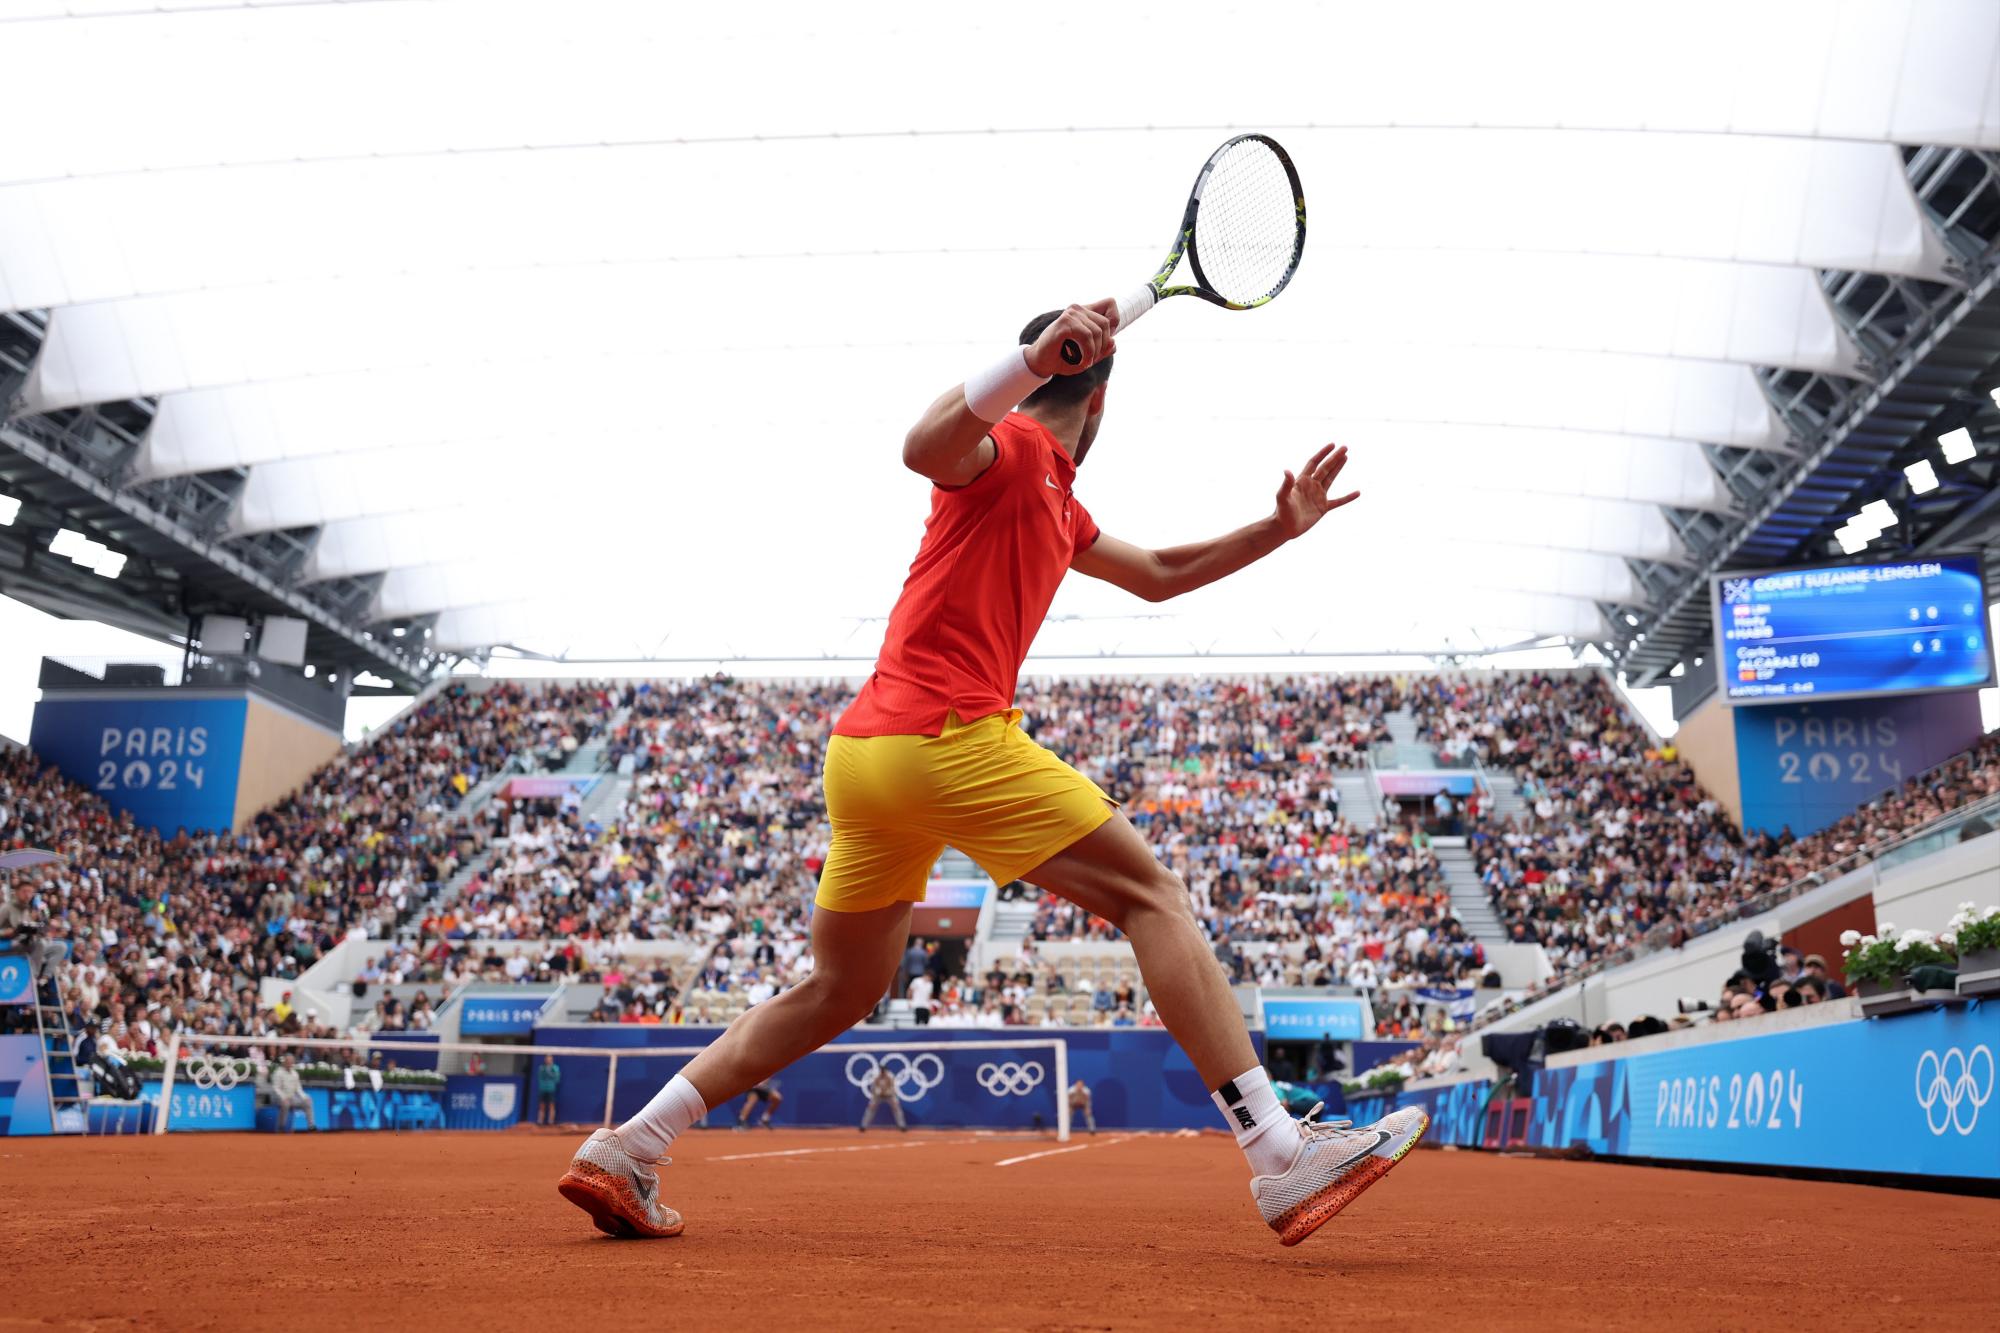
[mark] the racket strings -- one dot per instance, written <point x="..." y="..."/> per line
<point x="1246" y="231"/>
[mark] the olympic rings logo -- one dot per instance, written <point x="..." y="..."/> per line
<point x="1950" y="1081"/>
<point x="204" y="1072"/>
<point x="914" y="1076"/>
<point x="1008" y="1079"/>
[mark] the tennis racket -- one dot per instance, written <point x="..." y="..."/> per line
<point x="1243" y="233"/>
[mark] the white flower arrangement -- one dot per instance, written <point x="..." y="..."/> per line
<point x="1975" y="931"/>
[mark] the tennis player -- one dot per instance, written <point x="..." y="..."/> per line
<point x="931" y="754"/>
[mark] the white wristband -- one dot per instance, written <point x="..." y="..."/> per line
<point x="992" y="393"/>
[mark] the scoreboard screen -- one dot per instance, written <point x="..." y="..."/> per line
<point x="1844" y="631"/>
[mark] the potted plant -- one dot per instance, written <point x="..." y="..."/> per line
<point x="1879" y="967"/>
<point x="1975" y="935"/>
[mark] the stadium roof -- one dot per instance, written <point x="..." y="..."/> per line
<point x="594" y="329"/>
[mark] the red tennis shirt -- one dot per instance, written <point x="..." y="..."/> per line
<point x="993" y="554"/>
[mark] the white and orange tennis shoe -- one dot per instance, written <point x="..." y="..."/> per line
<point x="620" y="1192"/>
<point x="1334" y="1163"/>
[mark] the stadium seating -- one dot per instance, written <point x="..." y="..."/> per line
<point x="1619" y="843"/>
<point x="181" y="931"/>
<point x="688" y="900"/>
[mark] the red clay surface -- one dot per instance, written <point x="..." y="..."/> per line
<point x="445" y="1231"/>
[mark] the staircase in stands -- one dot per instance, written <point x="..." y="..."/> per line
<point x="1470" y="902"/>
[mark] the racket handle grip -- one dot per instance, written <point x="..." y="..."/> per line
<point x="1129" y="309"/>
<point x="1136" y="304"/>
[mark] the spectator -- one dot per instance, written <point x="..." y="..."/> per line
<point x="1815" y="970"/>
<point x="548" y="1080"/>
<point x="289" y="1094"/>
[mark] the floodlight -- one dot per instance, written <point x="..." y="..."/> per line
<point x="1878" y="514"/>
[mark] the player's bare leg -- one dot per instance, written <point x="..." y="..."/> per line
<point x="1302" y="1172"/>
<point x="1113" y="873"/>
<point x="614" y="1176"/>
<point x="854" y="959"/>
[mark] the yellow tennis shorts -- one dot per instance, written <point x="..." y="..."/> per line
<point x="983" y="787"/>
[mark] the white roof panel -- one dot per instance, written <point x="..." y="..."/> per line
<point x="600" y="324"/>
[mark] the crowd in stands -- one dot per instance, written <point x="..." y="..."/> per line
<point x="1619" y="844"/>
<point x="1232" y="782"/>
<point x="714" y="851"/>
<point x="182" y="931"/>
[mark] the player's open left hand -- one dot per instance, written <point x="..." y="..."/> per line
<point x="1090" y="327"/>
<point x="1303" y="500"/>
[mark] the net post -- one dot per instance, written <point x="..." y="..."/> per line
<point x="161" y="1112"/>
<point x="1062" y="1090"/>
<point x="610" y="1087"/>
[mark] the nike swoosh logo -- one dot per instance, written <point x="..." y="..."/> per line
<point x="1051" y="482"/>
<point x="1381" y="1137"/>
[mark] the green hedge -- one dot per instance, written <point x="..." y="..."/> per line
<point x="151" y="1066"/>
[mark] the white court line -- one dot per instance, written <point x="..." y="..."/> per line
<point x="1057" y="1152"/>
<point x="852" y="1147"/>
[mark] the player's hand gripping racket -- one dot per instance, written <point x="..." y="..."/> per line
<point x="1243" y="234"/>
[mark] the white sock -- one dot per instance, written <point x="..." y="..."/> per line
<point x="649" y="1134"/>
<point x="1263" y="1129"/>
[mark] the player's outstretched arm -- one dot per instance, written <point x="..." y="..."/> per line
<point x="1157" y="575"/>
<point x="949" y="443"/>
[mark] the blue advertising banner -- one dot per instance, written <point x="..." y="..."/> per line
<point x="500" y="1015"/>
<point x="1910" y="1095"/>
<point x="1457" y="1111"/>
<point x="1334" y="1018"/>
<point x="195" y="1108"/>
<point x="407" y="1059"/>
<point x="1841" y="631"/>
<point x="473" y="1101"/>
<point x="362" y="1107"/>
<point x="1807" y="765"/>
<point x="24" y="1086"/>
<point x="170" y="762"/>
<point x="1138" y="1077"/>
<point x="16" y="981"/>
<point x="1907" y="1095"/>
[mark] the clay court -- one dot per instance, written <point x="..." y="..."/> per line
<point x="793" y="1229"/>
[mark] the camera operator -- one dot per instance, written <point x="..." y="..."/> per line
<point x="21" y="933"/>
<point x="1760" y="960"/>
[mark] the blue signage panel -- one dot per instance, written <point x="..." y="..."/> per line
<point x="170" y="762"/>
<point x="1809" y="764"/>
<point x="474" y="1101"/>
<point x="1335" y="1018"/>
<point x="24" y="1086"/>
<point x="1457" y="1111"/>
<point x="1138" y="1077"/>
<point x="362" y="1107"/>
<point x="500" y="1015"/>
<point x="195" y="1108"/>
<point x="956" y="893"/>
<point x="1908" y="1095"/>
<point x="17" y="984"/>
<point x="1838" y="631"/>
